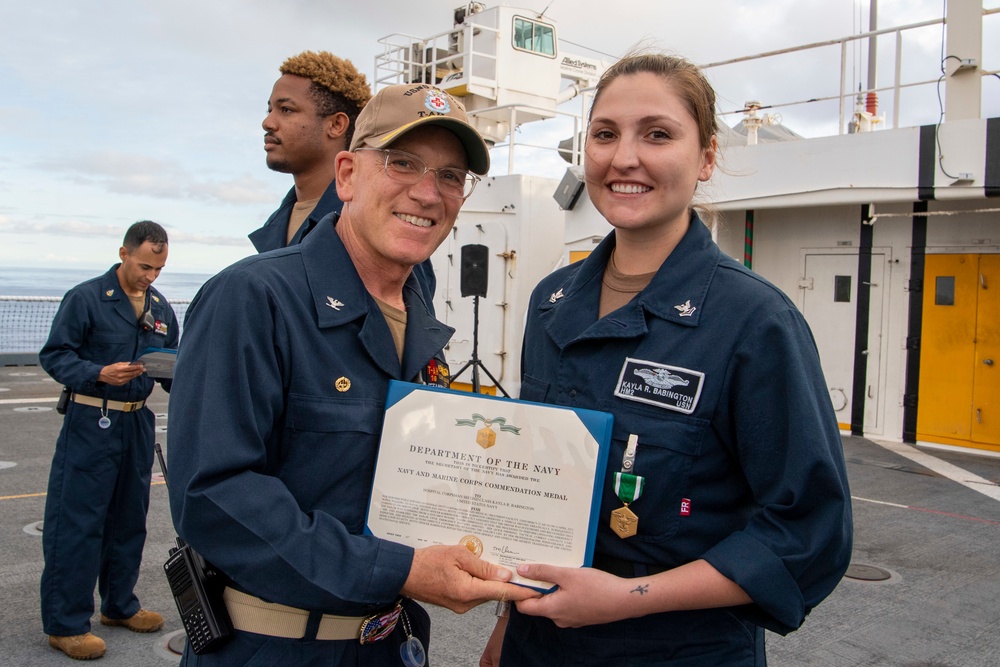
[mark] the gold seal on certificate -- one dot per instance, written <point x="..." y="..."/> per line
<point x="473" y="544"/>
<point x="511" y="481"/>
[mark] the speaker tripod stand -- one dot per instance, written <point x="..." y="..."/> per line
<point x="475" y="362"/>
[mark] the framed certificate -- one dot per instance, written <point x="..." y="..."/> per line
<point x="510" y="480"/>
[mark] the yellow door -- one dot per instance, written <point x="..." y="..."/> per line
<point x="986" y="376"/>
<point x="960" y="349"/>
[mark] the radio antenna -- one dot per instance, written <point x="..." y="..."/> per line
<point x="159" y="457"/>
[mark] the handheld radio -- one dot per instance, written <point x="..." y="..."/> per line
<point x="63" y="401"/>
<point x="197" y="589"/>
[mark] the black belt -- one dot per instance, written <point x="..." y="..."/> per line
<point x="626" y="568"/>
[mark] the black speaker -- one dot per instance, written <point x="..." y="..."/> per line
<point x="475" y="268"/>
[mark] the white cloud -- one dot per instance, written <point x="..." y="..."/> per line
<point x="122" y="110"/>
<point x="58" y="229"/>
<point x="126" y="173"/>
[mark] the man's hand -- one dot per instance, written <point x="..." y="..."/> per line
<point x="120" y="373"/>
<point x="450" y="576"/>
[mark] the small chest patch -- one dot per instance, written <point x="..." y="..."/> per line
<point x="669" y="387"/>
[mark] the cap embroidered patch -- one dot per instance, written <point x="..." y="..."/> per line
<point x="669" y="387"/>
<point x="437" y="102"/>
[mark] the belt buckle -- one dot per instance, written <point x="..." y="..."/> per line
<point x="131" y="406"/>
<point x="380" y="626"/>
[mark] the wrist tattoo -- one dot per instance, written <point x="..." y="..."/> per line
<point x="641" y="589"/>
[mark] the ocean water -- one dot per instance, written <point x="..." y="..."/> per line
<point x="22" y="281"/>
<point x="24" y="325"/>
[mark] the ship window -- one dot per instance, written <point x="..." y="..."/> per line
<point x="842" y="289"/>
<point x="944" y="290"/>
<point x="534" y="37"/>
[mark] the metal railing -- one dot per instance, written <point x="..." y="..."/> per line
<point x="25" y="321"/>
<point x="400" y="59"/>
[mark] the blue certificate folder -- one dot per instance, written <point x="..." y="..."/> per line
<point x="159" y="362"/>
<point x="513" y="481"/>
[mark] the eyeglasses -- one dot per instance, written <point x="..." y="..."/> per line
<point x="408" y="168"/>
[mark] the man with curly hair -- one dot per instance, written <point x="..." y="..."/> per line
<point x="310" y="119"/>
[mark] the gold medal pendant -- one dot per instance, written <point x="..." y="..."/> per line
<point x="624" y="522"/>
<point x="486" y="437"/>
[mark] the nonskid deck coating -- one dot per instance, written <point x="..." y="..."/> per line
<point x="938" y="539"/>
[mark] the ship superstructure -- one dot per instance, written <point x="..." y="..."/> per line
<point x="887" y="237"/>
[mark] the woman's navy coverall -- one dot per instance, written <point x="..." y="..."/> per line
<point x="717" y="373"/>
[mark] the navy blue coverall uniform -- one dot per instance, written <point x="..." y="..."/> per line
<point x="274" y="232"/>
<point x="272" y="235"/>
<point x="98" y="495"/>
<point x="277" y="407"/>
<point x="717" y="373"/>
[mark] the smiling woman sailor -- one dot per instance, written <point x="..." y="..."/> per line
<point x="729" y="512"/>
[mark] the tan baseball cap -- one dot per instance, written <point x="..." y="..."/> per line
<point x="395" y="110"/>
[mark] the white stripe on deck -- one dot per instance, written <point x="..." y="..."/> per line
<point x="15" y="401"/>
<point x="943" y="468"/>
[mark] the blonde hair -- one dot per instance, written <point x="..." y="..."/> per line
<point x="337" y="85"/>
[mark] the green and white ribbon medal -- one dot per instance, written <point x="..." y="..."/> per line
<point x="628" y="488"/>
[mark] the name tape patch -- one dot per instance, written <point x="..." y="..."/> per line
<point x="669" y="387"/>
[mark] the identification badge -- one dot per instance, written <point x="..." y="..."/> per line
<point x="669" y="387"/>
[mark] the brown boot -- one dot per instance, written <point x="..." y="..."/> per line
<point x="142" y="621"/>
<point x="79" y="647"/>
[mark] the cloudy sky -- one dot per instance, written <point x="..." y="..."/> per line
<point x="120" y="110"/>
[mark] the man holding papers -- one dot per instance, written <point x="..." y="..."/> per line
<point x="95" y="510"/>
<point x="278" y="402"/>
